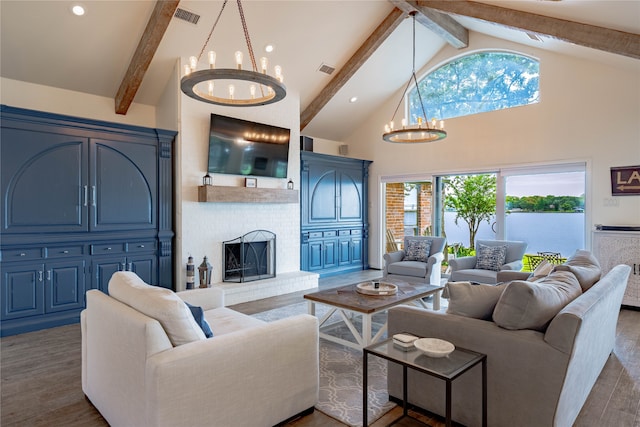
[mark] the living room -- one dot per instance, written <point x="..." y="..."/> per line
<point x="588" y="112"/>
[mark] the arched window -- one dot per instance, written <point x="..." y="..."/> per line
<point x="477" y="83"/>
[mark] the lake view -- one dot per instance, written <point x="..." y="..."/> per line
<point x="544" y="232"/>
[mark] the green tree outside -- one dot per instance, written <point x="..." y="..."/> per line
<point x="473" y="198"/>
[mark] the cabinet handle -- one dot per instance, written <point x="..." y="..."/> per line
<point x="86" y="195"/>
<point x="108" y="249"/>
<point x="65" y="252"/>
<point x="141" y="246"/>
<point x="23" y="254"/>
<point x="129" y="267"/>
<point x="48" y="275"/>
<point x="122" y="267"/>
<point x="40" y="276"/>
<point x="93" y="195"/>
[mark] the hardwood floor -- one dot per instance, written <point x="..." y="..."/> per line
<point x="41" y="383"/>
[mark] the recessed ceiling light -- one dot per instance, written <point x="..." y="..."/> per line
<point x="353" y="99"/>
<point x="78" y="10"/>
<point x="268" y="48"/>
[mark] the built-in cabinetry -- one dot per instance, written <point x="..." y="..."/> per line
<point x="620" y="247"/>
<point x="334" y="216"/>
<point x="81" y="199"/>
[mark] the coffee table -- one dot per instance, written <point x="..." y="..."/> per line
<point x="349" y="304"/>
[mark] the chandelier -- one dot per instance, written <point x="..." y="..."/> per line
<point x="423" y="131"/>
<point x="233" y="87"/>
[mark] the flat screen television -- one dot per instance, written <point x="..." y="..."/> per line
<point x="240" y="147"/>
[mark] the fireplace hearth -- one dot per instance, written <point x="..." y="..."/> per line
<point x="250" y="257"/>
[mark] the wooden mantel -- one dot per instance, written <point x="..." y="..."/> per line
<point x="223" y="194"/>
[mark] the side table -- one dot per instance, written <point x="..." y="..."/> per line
<point x="446" y="368"/>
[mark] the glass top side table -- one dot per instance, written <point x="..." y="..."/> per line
<point x="446" y="368"/>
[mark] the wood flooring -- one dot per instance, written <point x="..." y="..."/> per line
<point x="41" y="382"/>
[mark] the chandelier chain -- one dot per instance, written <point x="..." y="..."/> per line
<point x="246" y="37"/>
<point x="206" y="42"/>
<point x="413" y="76"/>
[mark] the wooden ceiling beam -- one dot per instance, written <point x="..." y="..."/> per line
<point x="600" y="38"/>
<point x="149" y="42"/>
<point x="354" y="63"/>
<point x="440" y="23"/>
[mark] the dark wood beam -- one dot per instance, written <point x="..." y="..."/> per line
<point x="153" y="33"/>
<point x="605" y="39"/>
<point x="440" y="23"/>
<point x="354" y="63"/>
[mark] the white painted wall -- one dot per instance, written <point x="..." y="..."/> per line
<point x="204" y="226"/>
<point x="20" y="94"/>
<point x="588" y="112"/>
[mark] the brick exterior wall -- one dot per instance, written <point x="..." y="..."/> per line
<point x="395" y="208"/>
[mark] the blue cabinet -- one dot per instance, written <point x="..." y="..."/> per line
<point x="80" y="200"/>
<point x="333" y="213"/>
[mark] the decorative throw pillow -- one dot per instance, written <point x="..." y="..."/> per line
<point x="584" y="266"/>
<point x="490" y="257"/>
<point x="532" y="305"/>
<point x="417" y="250"/>
<point x="542" y="270"/>
<point x="198" y="316"/>
<point x="473" y="300"/>
<point x="158" y="303"/>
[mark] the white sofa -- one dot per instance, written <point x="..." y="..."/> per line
<point x="250" y="373"/>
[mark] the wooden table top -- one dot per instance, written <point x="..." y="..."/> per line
<point x="349" y="298"/>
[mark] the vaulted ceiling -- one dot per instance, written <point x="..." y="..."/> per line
<point x="126" y="50"/>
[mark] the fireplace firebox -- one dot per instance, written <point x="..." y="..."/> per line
<point x="250" y="257"/>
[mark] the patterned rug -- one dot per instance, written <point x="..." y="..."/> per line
<point x="341" y="372"/>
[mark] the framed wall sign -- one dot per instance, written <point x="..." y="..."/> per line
<point x="625" y="181"/>
<point x="250" y="182"/>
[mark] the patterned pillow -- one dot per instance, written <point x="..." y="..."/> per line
<point x="490" y="257"/>
<point x="417" y="250"/>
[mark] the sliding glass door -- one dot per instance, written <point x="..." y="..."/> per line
<point x="544" y="206"/>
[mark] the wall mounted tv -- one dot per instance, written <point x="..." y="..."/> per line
<point x="240" y="147"/>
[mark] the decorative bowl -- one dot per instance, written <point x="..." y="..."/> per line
<point x="376" y="287"/>
<point x="434" y="347"/>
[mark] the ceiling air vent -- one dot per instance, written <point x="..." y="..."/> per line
<point x="185" y="15"/>
<point x="327" y="69"/>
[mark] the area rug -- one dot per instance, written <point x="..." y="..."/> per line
<point x="341" y="372"/>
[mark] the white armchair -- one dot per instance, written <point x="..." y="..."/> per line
<point x="251" y="373"/>
<point x="466" y="269"/>
<point x="410" y="265"/>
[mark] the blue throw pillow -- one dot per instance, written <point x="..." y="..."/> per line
<point x="198" y="315"/>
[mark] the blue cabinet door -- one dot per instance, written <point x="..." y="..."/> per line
<point x="124" y="185"/>
<point x="22" y="291"/>
<point x="351" y="197"/>
<point x="43" y="181"/>
<point x="65" y="285"/>
<point x="103" y="268"/>
<point x="145" y="266"/>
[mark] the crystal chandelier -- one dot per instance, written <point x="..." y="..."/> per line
<point x="232" y="86"/>
<point x="423" y="131"/>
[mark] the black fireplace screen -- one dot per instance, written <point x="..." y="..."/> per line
<point x="250" y="257"/>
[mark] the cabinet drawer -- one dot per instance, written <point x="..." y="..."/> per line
<point x="144" y="246"/>
<point x="64" y="251"/>
<point x="356" y="232"/>
<point x="344" y="233"/>
<point x="107" y="249"/>
<point x="315" y="234"/>
<point x="21" y="254"/>
<point x="329" y="234"/>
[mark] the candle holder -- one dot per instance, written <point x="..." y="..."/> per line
<point x="207" y="180"/>
<point x="205" y="271"/>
